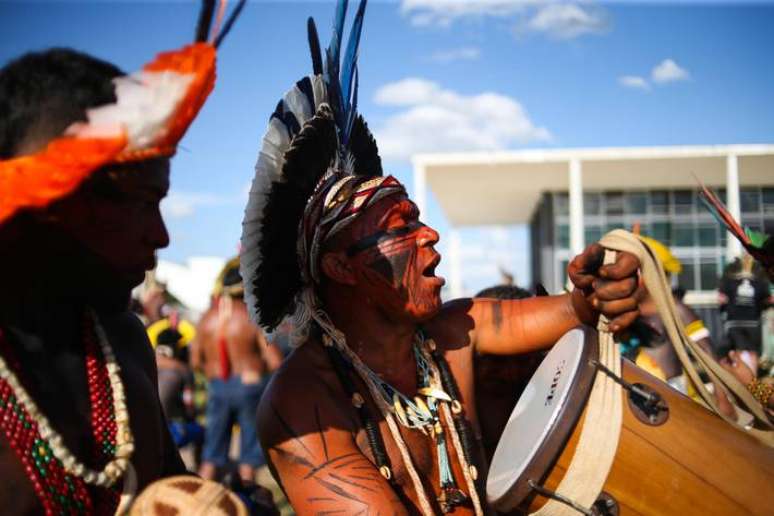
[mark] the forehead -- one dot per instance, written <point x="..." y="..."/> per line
<point x="148" y="175"/>
<point x="368" y="221"/>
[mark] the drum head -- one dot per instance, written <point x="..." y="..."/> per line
<point x="542" y="419"/>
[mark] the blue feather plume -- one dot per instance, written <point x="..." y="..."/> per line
<point x="341" y="74"/>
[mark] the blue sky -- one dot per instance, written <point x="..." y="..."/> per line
<point x="437" y="76"/>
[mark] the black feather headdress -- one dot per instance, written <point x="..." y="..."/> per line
<point x="315" y="137"/>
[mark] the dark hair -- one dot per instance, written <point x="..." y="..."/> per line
<point x="169" y="337"/>
<point x="232" y="277"/>
<point x="42" y="93"/>
<point x="504" y="292"/>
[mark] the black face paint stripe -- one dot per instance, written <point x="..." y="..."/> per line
<point x="381" y="236"/>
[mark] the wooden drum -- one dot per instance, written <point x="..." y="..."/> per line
<point x="673" y="456"/>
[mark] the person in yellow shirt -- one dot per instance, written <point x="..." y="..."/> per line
<point x="656" y="354"/>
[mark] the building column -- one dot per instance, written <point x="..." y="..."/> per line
<point x="420" y="189"/>
<point x="576" y="207"/>
<point x="733" y="247"/>
<point x="455" y="264"/>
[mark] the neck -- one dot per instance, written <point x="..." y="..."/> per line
<point x="386" y="346"/>
<point x="47" y="280"/>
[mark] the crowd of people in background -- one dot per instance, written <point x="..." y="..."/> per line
<point x="212" y="374"/>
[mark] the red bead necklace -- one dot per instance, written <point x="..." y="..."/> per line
<point x="58" y="491"/>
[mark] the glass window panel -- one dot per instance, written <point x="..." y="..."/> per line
<point x="636" y="203"/>
<point x="686" y="278"/>
<point x="563" y="236"/>
<point x="683" y="235"/>
<point x="683" y="201"/>
<point x="750" y="200"/>
<point x="592" y="234"/>
<point x="614" y="203"/>
<point x="613" y="225"/>
<point x="708" y="236"/>
<point x="708" y="276"/>
<point x="563" y="273"/>
<point x="592" y="203"/>
<point x="561" y="204"/>
<point x="659" y="201"/>
<point x="767" y="196"/>
<point x="661" y="231"/>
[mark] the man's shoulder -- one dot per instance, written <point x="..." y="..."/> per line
<point x="303" y="385"/>
<point x="450" y="328"/>
<point x="129" y="338"/>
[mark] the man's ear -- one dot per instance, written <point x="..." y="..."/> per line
<point x="336" y="266"/>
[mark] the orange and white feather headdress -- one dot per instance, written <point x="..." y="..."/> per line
<point x="154" y="107"/>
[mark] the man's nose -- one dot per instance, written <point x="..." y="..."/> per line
<point x="158" y="236"/>
<point x="427" y="237"/>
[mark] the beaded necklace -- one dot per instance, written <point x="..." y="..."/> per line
<point x="424" y="415"/>
<point x="63" y="484"/>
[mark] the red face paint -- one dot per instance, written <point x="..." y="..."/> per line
<point x="395" y="261"/>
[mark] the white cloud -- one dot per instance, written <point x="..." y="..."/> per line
<point x="434" y="119"/>
<point x="668" y="71"/>
<point x="567" y="20"/>
<point x="444" y="12"/>
<point x="456" y="54"/>
<point x="185" y="204"/>
<point x="634" y="81"/>
<point x="563" y="19"/>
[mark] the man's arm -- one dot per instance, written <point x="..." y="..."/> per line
<point x="270" y="352"/>
<point x="318" y="465"/>
<point x="506" y="327"/>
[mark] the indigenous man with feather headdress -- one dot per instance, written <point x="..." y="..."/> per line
<point x="84" y="163"/>
<point x="375" y="411"/>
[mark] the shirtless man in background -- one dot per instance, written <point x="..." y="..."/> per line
<point x="236" y="358"/>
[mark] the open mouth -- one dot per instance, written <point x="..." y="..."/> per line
<point x="429" y="271"/>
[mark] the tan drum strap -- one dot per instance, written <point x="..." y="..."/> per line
<point x="598" y="440"/>
<point x="658" y="287"/>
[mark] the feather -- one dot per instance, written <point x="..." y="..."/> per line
<point x="719" y="211"/>
<point x="338" y="31"/>
<point x="230" y="22"/>
<point x="314" y="46"/>
<point x="759" y="245"/>
<point x="283" y="202"/>
<point x="205" y="20"/>
<point x="349" y="65"/>
<point x="363" y="147"/>
<point x="352" y="113"/>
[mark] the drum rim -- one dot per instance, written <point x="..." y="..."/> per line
<point x="558" y="435"/>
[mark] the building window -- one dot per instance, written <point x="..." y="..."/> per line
<point x="686" y="278"/>
<point x="767" y="195"/>
<point x="592" y="234"/>
<point x="613" y="225"/>
<point x="682" y="235"/>
<point x="563" y="236"/>
<point x="708" y="235"/>
<point x="683" y="202"/>
<point x="750" y="200"/>
<point x="636" y="203"/>
<point x="708" y="272"/>
<point x="661" y="231"/>
<point x="659" y="202"/>
<point x="561" y="204"/>
<point x="614" y="203"/>
<point x="592" y="203"/>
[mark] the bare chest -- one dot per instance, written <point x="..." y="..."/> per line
<point x="422" y="450"/>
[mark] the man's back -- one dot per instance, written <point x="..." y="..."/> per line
<point x="244" y="343"/>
